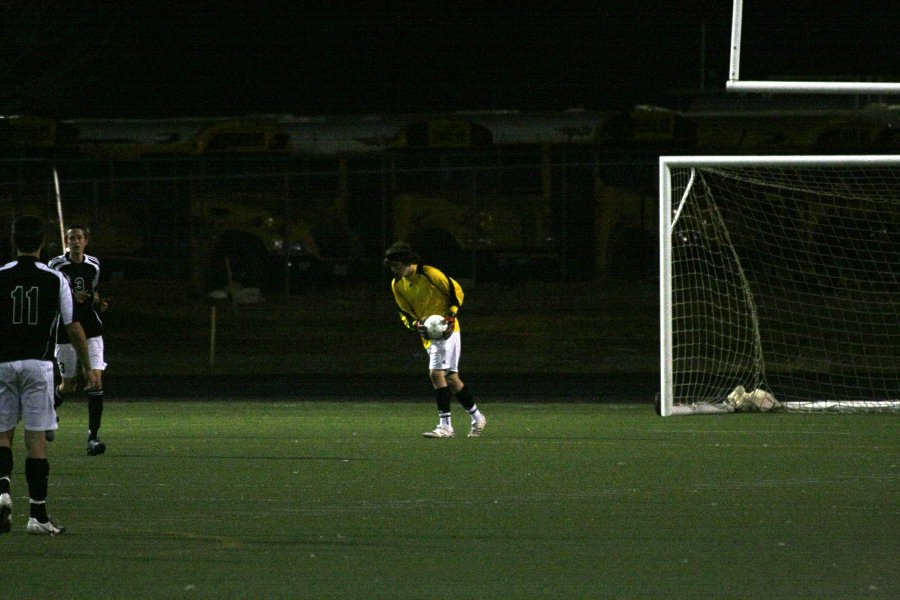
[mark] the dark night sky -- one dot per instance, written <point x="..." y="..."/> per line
<point x="200" y="58"/>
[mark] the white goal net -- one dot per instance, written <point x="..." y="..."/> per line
<point x="779" y="283"/>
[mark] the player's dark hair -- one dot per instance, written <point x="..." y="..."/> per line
<point x="401" y="252"/>
<point x="28" y="233"/>
<point x="77" y="226"/>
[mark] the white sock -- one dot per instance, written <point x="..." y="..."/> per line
<point x="476" y="414"/>
<point x="445" y="421"/>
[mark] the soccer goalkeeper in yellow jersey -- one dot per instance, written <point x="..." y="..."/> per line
<point x="422" y="291"/>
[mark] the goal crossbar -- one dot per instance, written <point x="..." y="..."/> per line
<point x="735" y="84"/>
<point x="812" y="87"/>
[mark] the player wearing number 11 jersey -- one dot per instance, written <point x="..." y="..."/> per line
<point x="34" y="300"/>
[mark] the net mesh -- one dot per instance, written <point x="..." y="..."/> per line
<point x="787" y="279"/>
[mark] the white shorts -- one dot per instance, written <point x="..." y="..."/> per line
<point x="26" y="393"/>
<point x="67" y="358"/>
<point x="443" y="355"/>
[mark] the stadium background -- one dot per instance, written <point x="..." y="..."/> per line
<point x="449" y="126"/>
<point x="549" y="220"/>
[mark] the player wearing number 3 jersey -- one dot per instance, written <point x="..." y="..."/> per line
<point x="83" y="272"/>
<point x="421" y="291"/>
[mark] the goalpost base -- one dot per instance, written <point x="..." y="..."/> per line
<point x="834" y="406"/>
<point x="704" y="408"/>
<point x="842" y="406"/>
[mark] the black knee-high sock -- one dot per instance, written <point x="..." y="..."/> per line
<point x="95" y="412"/>
<point x="37" y="472"/>
<point x="442" y="396"/>
<point x="465" y="397"/>
<point x="6" y="467"/>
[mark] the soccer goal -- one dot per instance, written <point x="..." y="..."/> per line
<point x="779" y="283"/>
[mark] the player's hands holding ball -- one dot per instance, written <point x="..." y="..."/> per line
<point x="436" y="327"/>
<point x="421" y="329"/>
<point x="450" y="324"/>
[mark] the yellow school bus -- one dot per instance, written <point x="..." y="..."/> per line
<point x="464" y="201"/>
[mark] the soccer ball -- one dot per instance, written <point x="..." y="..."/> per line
<point x="435" y="326"/>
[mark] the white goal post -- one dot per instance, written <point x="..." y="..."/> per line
<point x="779" y="283"/>
<point x="734" y="83"/>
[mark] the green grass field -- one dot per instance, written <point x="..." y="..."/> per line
<point x="344" y="499"/>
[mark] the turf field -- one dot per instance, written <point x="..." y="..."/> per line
<point x="344" y="499"/>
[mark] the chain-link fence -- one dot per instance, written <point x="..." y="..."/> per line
<point x="279" y="221"/>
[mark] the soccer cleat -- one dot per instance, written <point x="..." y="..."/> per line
<point x="51" y="527"/>
<point x="5" y="513"/>
<point x="477" y="428"/>
<point x="439" y="432"/>
<point x="95" y="447"/>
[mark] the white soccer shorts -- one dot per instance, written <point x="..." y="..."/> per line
<point x="443" y="355"/>
<point x="26" y="393"/>
<point x="67" y="358"/>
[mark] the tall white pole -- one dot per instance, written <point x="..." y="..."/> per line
<point x="59" y="212"/>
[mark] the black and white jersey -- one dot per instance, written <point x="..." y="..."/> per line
<point x="83" y="277"/>
<point x="33" y="299"/>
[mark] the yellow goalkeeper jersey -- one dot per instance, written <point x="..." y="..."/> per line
<point x="427" y="291"/>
